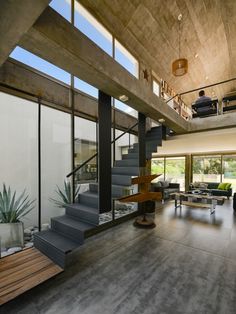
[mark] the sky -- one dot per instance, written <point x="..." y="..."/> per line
<point x="94" y="31"/>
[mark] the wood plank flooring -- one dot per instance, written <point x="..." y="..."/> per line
<point x="23" y="271"/>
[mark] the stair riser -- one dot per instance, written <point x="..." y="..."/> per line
<point x="153" y="137"/>
<point x="126" y="171"/>
<point x="149" y="148"/>
<point x="130" y="156"/>
<point x="68" y="231"/>
<point x="136" y="150"/>
<point x="88" y="201"/>
<point x="77" y="214"/>
<point x="121" y="180"/>
<point x="50" y="251"/>
<point x="127" y="163"/>
<point x="116" y="191"/>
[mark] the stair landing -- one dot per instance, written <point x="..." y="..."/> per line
<point x="22" y="271"/>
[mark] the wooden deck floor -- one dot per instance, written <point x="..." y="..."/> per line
<point x="23" y="271"/>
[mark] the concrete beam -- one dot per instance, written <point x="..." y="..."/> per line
<point x="56" y="40"/>
<point x="226" y="120"/>
<point x="21" y="77"/>
<point x="16" y="17"/>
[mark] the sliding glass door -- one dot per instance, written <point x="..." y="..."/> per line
<point x="207" y="168"/>
<point x="229" y="170"/>
<point x="172" y="169"/>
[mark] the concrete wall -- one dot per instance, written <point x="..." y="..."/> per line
<point x="211" y="141"/>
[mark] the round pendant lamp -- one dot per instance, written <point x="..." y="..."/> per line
<point x="180" y="65"/>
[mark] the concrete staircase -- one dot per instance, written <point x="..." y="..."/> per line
<point x="68" y="231"/>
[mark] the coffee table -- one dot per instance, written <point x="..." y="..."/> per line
<point x="192" y="199"/>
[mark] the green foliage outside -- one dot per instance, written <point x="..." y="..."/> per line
<point x="212" y="165"/>
<point x="174" y="167"/>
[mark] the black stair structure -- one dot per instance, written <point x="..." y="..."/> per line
<point x="68" y="232"/>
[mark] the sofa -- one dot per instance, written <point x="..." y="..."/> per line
<point x="212" y="187"/>
<point x="166" y="188"/>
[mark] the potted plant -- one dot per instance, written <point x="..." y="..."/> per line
<point x="12" y="210"/>
<point x="65" y="195"/>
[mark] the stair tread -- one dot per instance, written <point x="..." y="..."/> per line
<point x="116" y="185"/>
<point x="123" y="167"/>
<point x="123" y="175"/>
<point x="76" y="224"/>
<point x="57" y="240"/>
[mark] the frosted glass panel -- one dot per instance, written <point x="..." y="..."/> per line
<point x="56" y="158"/>
<point x="19" y="149"/>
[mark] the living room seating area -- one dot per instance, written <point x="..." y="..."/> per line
<point x="166" y="188"/>
<point x="214" y="188"/>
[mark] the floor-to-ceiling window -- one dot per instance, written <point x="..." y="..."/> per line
<point x="19" y="150"/>
<point x="55" y="159"/>
<point x="158" y="167"/>
<point x="206" y="168"/>
<point x="85" y="146"/>
<point x="175" y="171"/>
<point x="171" y="169"/>
<point x="229" y="169"/>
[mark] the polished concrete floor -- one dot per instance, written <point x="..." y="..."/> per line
<point x="187" y="264"/>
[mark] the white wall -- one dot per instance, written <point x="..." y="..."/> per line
<point x="211" y="141"/>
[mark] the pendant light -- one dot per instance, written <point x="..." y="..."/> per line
<point x="180" y="66"/>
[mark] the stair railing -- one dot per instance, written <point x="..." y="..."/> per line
<point x="90" y="158"/>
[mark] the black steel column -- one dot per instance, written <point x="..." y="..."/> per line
<point x="141" y="139"/>
<point x="104" y="152"/>
<point x="39" y="164"/>
<point x="142" y="150"/>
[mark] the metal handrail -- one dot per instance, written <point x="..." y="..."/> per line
<point x="203" y="87"/>
<point x="90" y="158"/>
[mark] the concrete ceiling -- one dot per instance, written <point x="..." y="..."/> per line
<point x="15" y="20"/>
<point x="149" y="29"/>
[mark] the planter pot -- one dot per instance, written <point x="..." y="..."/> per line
<point x="11" y="235"/>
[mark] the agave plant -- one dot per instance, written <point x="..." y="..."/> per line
<point x="12" y="209"/>
<point x="65" y="195"/>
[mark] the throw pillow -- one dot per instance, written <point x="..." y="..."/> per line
<point x="203" y="185"/>
<point x="228" y="186"/>
<point x="165" y="184"/>
<point x="222" y="186"/>
<point x="196" y="184"/>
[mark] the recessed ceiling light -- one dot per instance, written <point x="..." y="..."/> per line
<point x="206" y="77"/>
<point x="123" y="98"/>
<point x="161" y="120"/>
<point x="196" y="55"/>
